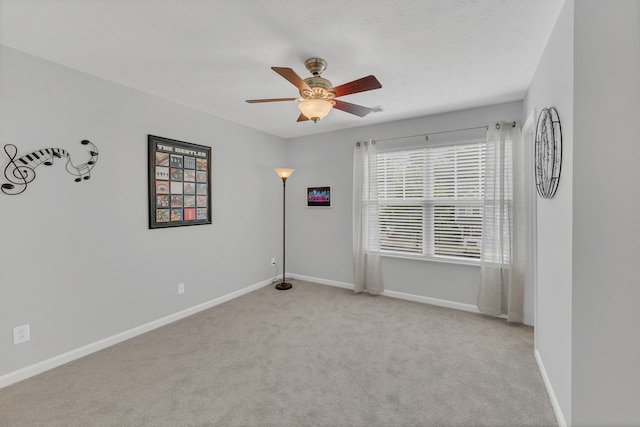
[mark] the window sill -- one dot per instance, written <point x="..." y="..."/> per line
<point x="444" y="260"/>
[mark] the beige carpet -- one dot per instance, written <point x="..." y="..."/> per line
<point x="310" y="356"/>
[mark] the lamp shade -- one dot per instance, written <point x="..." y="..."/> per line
<point x="284" y="172"/>
<point x="315" y="109"/>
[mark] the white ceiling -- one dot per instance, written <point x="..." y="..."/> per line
<point x="431" y="56"/>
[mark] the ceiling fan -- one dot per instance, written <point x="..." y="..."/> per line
<point x="318" y="96"/>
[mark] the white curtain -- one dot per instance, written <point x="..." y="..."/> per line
<point x="366" y="236"/>
<point x="503" y="260"/>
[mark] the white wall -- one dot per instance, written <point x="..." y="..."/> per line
<point x="552" y="85"/>
<point x="588" y="287"/>
<point x="606" y="202"/>
<point x="319" y="241"/>
<point x="77" y="260"/>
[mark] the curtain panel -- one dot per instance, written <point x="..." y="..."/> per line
<point x="366" y="236"/>
<point x="503" y="263"/>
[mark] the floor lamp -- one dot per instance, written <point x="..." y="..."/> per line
<point x="284" y="174"/>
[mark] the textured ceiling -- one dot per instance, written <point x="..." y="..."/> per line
<point x="431" y="56"/>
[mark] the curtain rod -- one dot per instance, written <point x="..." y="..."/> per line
<point x="438" y="133"/>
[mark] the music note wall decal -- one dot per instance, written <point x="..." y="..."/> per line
<point x="21" y="172"/>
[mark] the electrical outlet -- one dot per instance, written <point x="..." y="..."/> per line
<point x="273" y="262"/>
<point x="21" y="334"/>
<point x="180" y="288"/>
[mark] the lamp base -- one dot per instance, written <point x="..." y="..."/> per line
<point x="283" y="286"/>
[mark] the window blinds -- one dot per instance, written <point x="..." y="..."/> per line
<point x="431" y="200"/>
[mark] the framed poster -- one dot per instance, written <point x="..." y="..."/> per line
<point x="319" y="197"/>
<point x="179" y="183"/>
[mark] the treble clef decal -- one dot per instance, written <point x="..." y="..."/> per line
<point x="21" y="172"/>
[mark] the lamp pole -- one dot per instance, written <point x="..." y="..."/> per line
<point x="284" y="174"/>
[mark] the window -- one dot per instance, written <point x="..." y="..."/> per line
<point x="431" y="201"/>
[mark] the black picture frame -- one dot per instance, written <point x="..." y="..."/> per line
<point x="179" y="183"/>
<point x="319" y="197"/>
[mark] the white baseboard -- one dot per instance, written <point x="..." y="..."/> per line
<point x="321" y="281"/>
<point x="45" y="365"/>
<point x="552" y="395"/>
<point x="394" y="294"/>
<point x="432" y="301"/>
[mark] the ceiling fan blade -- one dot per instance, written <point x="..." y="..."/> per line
<point x="291" y="75"/>
<point x="360" y="85"/>
<point x="254" y="101"/>
<point x="302" y="118"/>
<point x="358" y="110"/>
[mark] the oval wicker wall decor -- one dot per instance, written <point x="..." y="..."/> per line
<point x="548" y="152"/>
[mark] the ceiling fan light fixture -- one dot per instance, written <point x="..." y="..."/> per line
<point x="315" y="109"/>
<point x="317" y="94"/>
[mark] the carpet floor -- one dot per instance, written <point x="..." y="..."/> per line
<point x="314" y="355"/>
